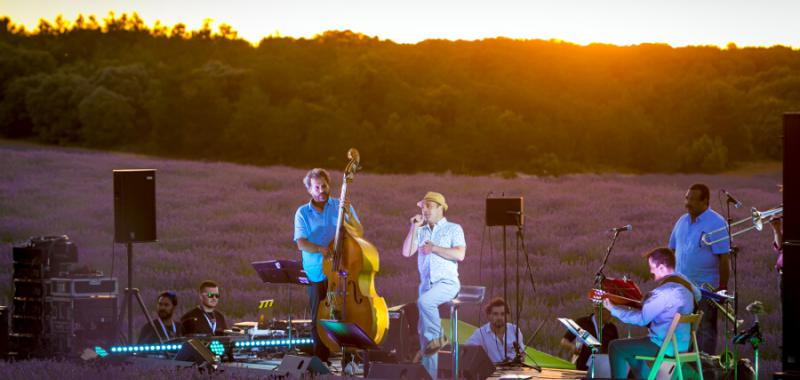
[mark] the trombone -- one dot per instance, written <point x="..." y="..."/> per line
<point x="756" y="219"/>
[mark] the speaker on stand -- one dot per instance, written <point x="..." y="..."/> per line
<point x="134" y="220"/>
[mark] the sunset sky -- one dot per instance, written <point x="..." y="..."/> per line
<point x="622" y="22"/>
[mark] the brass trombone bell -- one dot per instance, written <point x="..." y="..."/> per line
<point x="756" y="219"/>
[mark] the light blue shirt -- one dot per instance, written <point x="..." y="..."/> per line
<point x="693" y="258"/>
<point x="433" y="267"/>
<point x="658" y="310"/>
<point x="493" y="345"/>
<point x="318" y="228"/>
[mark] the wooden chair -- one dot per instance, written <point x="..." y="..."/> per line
<point x="684" y="357"/>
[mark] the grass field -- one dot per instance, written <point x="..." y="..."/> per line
<point x="214" y="219"/>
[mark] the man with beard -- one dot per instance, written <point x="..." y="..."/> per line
<point x="166" y="328"/>
<point x="699" y="262"/>
<point x="314" y="230"/>
<point x="205" y="319"/>
<point x="493" y="334"/>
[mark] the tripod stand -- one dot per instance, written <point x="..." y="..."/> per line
<point x="508" y="212"/>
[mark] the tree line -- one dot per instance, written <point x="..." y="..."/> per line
<point x="472" y="107"/>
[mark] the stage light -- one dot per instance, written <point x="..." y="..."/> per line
<point x="217" y="348"/>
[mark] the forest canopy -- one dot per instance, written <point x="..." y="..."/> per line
<point x="473" y="107"/>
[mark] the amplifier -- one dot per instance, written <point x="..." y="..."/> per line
<point x="29" y="288"/>
<point x="59" y="248"/>
<point x="27" y="325"/>
<point x="29" y="255"/>
<point x="83" y="287"/>
<point x="28" y="308"/>
<point x="28" y="271"/>
<point x="85" y="312"/>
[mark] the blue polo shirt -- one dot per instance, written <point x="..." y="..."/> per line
<point x="693" y="258"/>
<point x="318" y="228"/>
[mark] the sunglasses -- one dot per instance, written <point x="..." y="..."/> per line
<point x="213" y="295"/>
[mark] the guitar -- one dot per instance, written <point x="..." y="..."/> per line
<point x="597" y="296"/>
<point x="620" y="291"/>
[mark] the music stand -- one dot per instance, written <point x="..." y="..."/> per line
<point x="348" y="334"/>
<point x="282" y="272"/>
<point x="584" y="337"/>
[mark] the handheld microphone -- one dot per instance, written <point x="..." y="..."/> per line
<point x="731" y="199"/>
<point x="623" y="228"/>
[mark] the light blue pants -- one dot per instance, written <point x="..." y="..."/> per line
<point x="431" y="295"/>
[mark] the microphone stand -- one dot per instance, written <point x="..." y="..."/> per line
<point x="598" y="283"/>
<point x="734" y="251"/>
<point x="519" y="354"/>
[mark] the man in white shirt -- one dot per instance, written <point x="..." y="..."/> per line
<point x="492" y="335"/>
<point x="441" y="245"/>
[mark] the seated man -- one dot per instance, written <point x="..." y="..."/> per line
<point x="165" y="326"/>
<point x="581" y="353"/>
<point x="490" y="336"/>
<point x="674" y="294"/>
<point x="205" y="319"/>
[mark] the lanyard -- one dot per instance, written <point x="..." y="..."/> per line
<point x="164" y="328"/>
<point x="212" y="325"/>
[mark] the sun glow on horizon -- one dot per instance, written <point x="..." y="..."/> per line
<point x="617" y="22"/>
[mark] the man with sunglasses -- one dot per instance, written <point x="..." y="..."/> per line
<point x="205" y="319"/>
<point x="166" y="328"/>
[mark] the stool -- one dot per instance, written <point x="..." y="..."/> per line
<point x="467" y="295"/>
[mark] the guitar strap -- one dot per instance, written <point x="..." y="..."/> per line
<point x="686" y="284"/>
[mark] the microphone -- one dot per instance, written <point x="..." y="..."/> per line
<point x="731" y="199"/>
<point x="623" y="228"/>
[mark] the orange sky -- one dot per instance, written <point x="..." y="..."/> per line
<point x="621" y="22"/>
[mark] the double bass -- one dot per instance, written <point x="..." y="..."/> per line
<point x="350" y="270"/>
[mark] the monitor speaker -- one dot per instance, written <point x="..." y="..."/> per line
<point x="196" y="352"/>
<point x="473" y="363"/>
<point x="300" y="365"/>
<point x="134" y="205"/>
<point x="391" y="371"/>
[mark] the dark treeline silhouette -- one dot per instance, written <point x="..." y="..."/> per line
<point x="496" y="105"/>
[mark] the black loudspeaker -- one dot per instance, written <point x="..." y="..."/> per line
<point x="504" y="212"/>
<point x="398" y="371"/>
<point x="401" y="342"/>
<point x="134" y="205"/>
<point x="196" y="352"/>
<point x="791" y="238"/>
<point x="299" y="365"/>
<point x="473" y="361"/>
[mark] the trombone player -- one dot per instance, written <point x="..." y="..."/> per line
<point x="700" y="262"/>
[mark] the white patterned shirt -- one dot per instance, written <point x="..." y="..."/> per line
<point x="433" y="267"/>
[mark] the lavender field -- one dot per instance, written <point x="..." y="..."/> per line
<point x="214" y="219"/>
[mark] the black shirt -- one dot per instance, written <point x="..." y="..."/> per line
<point x="609" y="333"/>
<point x="147" y="336"/>
<point x="197" y="321"/>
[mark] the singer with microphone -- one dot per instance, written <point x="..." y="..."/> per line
<point x="699" y="262"/>
<point x="440" y="245"/>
